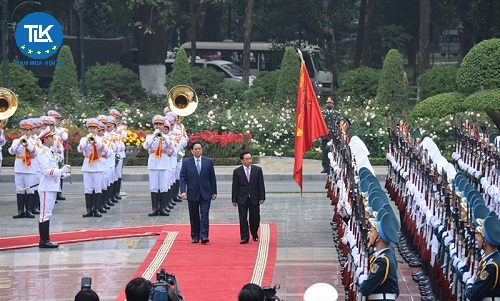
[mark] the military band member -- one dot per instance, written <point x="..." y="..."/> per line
<point x="171" y="166"/>
<point x="106" y="161"/>
<point x="484" y="285"/>
<point x="63" y="135"/>
<point x="35" y="133"/>
<point x="2" y="143"/>
<point x="181" y="139"/>
<point x="49" y="186"/>
<point x="93" y="149"/>
<point x="25" y="173"/>
<point x="121" y="133"/>
<point x="381" y="283"/>
<point x="160" y="151"/>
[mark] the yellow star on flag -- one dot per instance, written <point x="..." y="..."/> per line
<point x="24" y="46"/>
<point x="30" y="51"/>
<point x="54" y="47"/>
<point x="47" y="51"/>
<point x="39" y="52"/>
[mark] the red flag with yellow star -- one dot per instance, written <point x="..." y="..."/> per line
<point x="309" y="123"/>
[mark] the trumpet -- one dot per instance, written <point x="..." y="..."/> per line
<point x="23" y="140"/>
<point x="159" y="135"/>
<point x="91" y="138"/>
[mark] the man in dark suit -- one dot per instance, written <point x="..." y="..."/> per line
<point x="198" y="185"/>
<point x="248" y="193"/>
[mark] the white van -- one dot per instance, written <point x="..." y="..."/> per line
<point x="232" y="73"/>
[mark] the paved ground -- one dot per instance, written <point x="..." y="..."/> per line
<point x="306" y="252"/>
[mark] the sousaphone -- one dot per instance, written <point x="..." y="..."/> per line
<point x="8" y="105"/>
<point x="182" y="100"/>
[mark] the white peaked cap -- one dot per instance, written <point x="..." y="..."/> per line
<point x="321" y="292"/>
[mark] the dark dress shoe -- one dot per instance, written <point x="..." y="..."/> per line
<point x="324" y="171"/>
<point x="255" y="238"/>
<point x="243" y="241"/>
<point x="195" y="240"/>
<point x="60" y="197"/>
<point x="204" y="240"/>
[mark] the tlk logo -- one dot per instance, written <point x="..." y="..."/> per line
<point x="36" y="33"/>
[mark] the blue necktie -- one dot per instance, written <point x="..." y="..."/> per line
<point x="198" y="166"/>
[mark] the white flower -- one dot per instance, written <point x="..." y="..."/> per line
<point x="223" y="127"/>
<point x="368" y="124"/>
<point x="215" y="96"/>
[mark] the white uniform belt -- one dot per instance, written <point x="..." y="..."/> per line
<point x="382" y="296"/>
<point x="491" y="299"/>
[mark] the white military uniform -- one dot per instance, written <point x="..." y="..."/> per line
<point x="92" y="166"/>
<point x="159" y="162"/>
<point x="49" y="182"/>
<point x="25" y="172"/>
<point x="2" y="143"/>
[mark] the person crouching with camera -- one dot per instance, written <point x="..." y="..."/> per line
<point x="49" y="185"/>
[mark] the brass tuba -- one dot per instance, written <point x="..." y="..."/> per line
<point x="182" y="100"/>
<point x="8" y="105"/>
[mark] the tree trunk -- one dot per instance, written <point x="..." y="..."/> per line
<point x="360" y="35"/>
<point x="247" y="36"/>
<point x="152" y="51"/>
<point x="423" y="36"/>
<point x="365" y="57"/>
<point x="195" y="10"/>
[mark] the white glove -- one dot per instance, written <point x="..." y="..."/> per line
<point x="470" y="281"/>
<point x="65" y="169"/>
<point x="461" y="264"/>
<point x="362" y="278"/>
<point x="65" y="175"/>
<point x="466" y="276"/>
<point x="359" y="271"/>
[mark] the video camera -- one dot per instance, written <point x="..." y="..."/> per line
<point x="86" y="283"/>
<point x="165" y="288"/>
<point x="270" y="292"/>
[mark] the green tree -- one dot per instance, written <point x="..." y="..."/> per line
<point x="437" y="106"/>
<point x="64" y="80"/>
<point x="359" y="84"/>
<point x="480" y="70"/>
<point x="437" y="80"/>
<point x="115" y="82"/>
<point x="23" y="83"/>
<point x="391" y="88"/>
<point x="286" y="88"/>
<point x="181" y="71"/>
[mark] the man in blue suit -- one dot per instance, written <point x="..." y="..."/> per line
<point x="198" y="185"/>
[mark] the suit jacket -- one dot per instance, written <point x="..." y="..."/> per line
<point x="241" y="188"/>
<point x="195" y="185"/>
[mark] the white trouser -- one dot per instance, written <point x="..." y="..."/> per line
<point x="24" y="180"/>
<point x="47" y="201"/>
<point x="118" y="168"/>
<point x="92" y="182"/>
<point x="158" y="180"/>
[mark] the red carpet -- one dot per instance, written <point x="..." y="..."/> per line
<point x="28" y="241"/>
<point x="215" y="271"/>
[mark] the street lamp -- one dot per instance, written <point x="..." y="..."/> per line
<point x="79" y="6"/>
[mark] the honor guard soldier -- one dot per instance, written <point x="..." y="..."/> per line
<point x="121" y="133"/>
<point x="2" y="143"/>
<point x="25" y="173"/>
<point x="35" y="133"/>
<point x="62" y="134"/>
<point x="329" y="116"/>
<point x="381" y="283"/>
<point x="49" y="185"/>
<point x="92" y="147"/>
<point x="111" y="195"/>
<point x="160" y="151"/>
<point x="484" y="285"/>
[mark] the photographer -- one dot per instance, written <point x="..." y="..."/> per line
<point x="138" y="289"/>
<point x="253" y="292"/>
<point x="87" y="294"/>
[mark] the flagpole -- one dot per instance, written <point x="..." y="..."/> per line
<point x="300" y="54"/>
